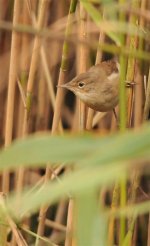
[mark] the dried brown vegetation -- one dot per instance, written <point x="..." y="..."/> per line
<point x="46" y="43"/>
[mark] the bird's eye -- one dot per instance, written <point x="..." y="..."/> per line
<point x="81" y="84"/>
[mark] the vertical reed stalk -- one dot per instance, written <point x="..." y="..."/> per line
<point x="34" y="60"/>
<point x="58" y="105"/>
<point x="24" y="61"/>
<point x="42" y="101"/>
<point x="61" y="210"/>
<point x="120" y="188"/>
<point x="43" y="4"/>
<point x="115" y="199"/>
<point x="11" y="86"/>
<point x="132" y="43"/>
<point x="63" y="68"/>
<point x="33" y="67"/>
<point x="98" y="60"/>
<point x="123" y="120"/>
<point x="138" y="110"/>
<point x="123" y="123"/>
<point x="46" y="72"/>
<point x="83" y="59"/>
<point x="3" y="221"/>
<point x="49" y="82"/>
<point x="42" y="213"/>
<point x="69" y="233"/>
<point x="147" y="100"/>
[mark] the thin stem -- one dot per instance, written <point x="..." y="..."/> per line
<point x="115" y="199"/>
<point x="30" y="83"/>
<point x="83" y="58"/>
<point x="58" y="106"/>
<point x="69" y="234"/>
<point x="90" y="116"/>
<point x="49" y="82"/>
<point x="11" y="87"/>
<point x="122" y="126"/>
<point x="63" y="68"/>
<point x="147" y="100"/>
<point x="132" y="43"/>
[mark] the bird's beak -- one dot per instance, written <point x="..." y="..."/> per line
<point x="62" y="86"/>
<point x="66" y="86"/>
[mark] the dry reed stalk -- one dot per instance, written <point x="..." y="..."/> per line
<point x="70" y="224"/>
<point x="82" y="55"/>
<point x="11" y="87"/>
<point x="8" y="222"/>
<point x="142" y="24"/>
<point x="138" y="105"/>
<point x="138" y="112"/>
<point x="145" y="14"/>
<point x="118" y="188"/>
<point x="58" y="105"/>
<point x="19" y="240"/>
<point x="147" y="100"/>
<point x="42" y="215"/>
<point x="132" y="44"/>
<point x="55" y="225"/>
<point x="60" y="211"/>
<point x="63" y="69"/>
<point x="49" y="82"/>
<point x="3" y="8"/>
<point x="90" y="116"/>
<point x="46" y="74"/>
<point x="24" y="66"/>
<point x="134" y="187"/>
<point x="115" y="200"/>
<point x="21" y="105"/>
<point x="48" y="77"/>
<point x="130" y="77"/>
<point x="82" y="61"/>
<point x="3" y="220"/>
<point x="43" y="211"/>
<point x="54" y="45"/>
<point x="33" y="67"/>
<point x="135" y="234"/>
<point x="34" y="60"/>
<point x="43" y="104"/>
<point x="137" y="122"/>
<point x="89" y="123"/>
<point x="3" y="105"/>
<point x="59" y="218"/>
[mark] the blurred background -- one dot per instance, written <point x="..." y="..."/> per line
<point x="45" y="43"/>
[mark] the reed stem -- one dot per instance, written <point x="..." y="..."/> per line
<point x="58" y="105"/>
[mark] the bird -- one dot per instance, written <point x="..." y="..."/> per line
<point x="98" y="88"/>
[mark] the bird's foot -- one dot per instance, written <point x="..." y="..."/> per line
<point x="130" y="83"/>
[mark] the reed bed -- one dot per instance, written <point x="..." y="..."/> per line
<point x="73" y="177"/>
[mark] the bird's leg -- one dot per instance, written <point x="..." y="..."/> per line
<point x="115" y="114"/>
<point x="116" y="117"/>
